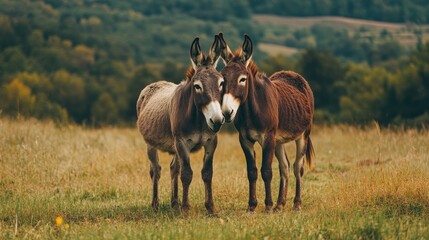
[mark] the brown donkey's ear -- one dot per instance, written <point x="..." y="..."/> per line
<point x="226" y="53"/>
<point x="246" y="50"/>
<point x="196" y="53"/>
<point x="215" y="51"/>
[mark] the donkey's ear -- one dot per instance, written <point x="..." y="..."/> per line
<point x="246" y="50"/>
<point x="226" y="53"/>
<point x="196" y="53"/>
<point x="215" y="51"/>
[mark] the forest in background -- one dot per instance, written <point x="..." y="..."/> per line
<point x="85" y="61"/>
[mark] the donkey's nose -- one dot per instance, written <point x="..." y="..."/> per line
<point x="227" y="116"/>
<point x="217" y="124"/>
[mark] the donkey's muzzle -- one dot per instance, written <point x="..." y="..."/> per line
<point x="230" y="105"/>
<point x="228" y="116"/>
<point x="217" y="124"/>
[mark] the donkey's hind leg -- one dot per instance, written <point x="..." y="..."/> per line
<point x="298" y="168"/>
<point x="284" y="176"/>
<point x="155" y="174"/>
<point x="174" y="171"/>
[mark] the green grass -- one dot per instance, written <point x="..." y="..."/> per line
<point x="366" y="184"/>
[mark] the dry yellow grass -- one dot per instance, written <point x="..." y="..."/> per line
<point x="365" y="183"/>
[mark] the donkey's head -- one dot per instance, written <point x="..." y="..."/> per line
<point x="236" y="74"/>
<point x="207" y="83"/>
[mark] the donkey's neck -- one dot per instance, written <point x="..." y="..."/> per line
<point x="187" y="117"/>
<point x="256" y="92"/>
<point x="258" y="104"/>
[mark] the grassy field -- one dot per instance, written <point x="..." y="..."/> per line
<point x="72" y="182"/>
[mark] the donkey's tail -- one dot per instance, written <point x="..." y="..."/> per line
<point x="140" y="102"/>
<point x="309" y="152"/>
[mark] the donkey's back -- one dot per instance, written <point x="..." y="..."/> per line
<point x="153" y="115"/>
<point x="296" y="81"/>
<point x="296" y="102"/>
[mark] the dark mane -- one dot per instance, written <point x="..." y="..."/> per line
<point x="252" y="66"/>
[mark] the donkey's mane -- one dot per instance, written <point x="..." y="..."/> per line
<point x="252" y="65"/>
<point x="189" y="73"/>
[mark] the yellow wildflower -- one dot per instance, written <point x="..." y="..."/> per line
<point x="59" y="220"/>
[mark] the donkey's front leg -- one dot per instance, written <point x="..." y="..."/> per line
<point x="174" y="171"/>
<point x="185" y="171"/>
<point x="252" y="170"/>
<point x="266" y="169"/>
<point x="207" y="172"/>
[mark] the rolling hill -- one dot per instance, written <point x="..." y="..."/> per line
<point x="405" y="33"/>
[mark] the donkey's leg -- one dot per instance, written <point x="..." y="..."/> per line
<point x="174" y="171"/>
<point x="185" y="171"/>
<point x="155" y="173"/>
<point x="266" y="169"/>
<point x="284" y="176"/>
<point x="252" y="170"/>
<point x="298" y="169"/>
<point x="207" y="172"/>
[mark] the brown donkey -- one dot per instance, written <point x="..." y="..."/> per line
<point x="271" y="111"/>
<point x="180" y="119"/>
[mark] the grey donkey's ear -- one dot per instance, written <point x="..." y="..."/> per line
<point x="246" y="50"/>
<point x="226" y="53"/>
<point x="215" y="51"/>
<point x="196" y="53"/>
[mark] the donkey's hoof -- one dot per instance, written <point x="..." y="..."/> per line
<point x="185" y="209"/>
<point x="297" y="204"/>
<point x="297" y="207"/>
<point x="175" y="205"/>
<point x="155" y="206"/>
<point x="251" y="209"/>
<point x="252" y="206"/>
<point x="278" y="208"/>
<point x="268" y="209"/>
<point x="212" y="214"/>
<point x="210" y="208"/>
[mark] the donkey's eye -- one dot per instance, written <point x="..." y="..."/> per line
<point x="197" y="87"/>
<point x="221" y="85"/>
<point x="242" y="80"/>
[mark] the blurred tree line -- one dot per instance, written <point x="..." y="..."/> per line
<point x="358" y="93"/>
<point x="86" y="61"/>
<point x="415" y="11"/>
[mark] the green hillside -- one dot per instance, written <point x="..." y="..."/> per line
<point x="406" y="34"/>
